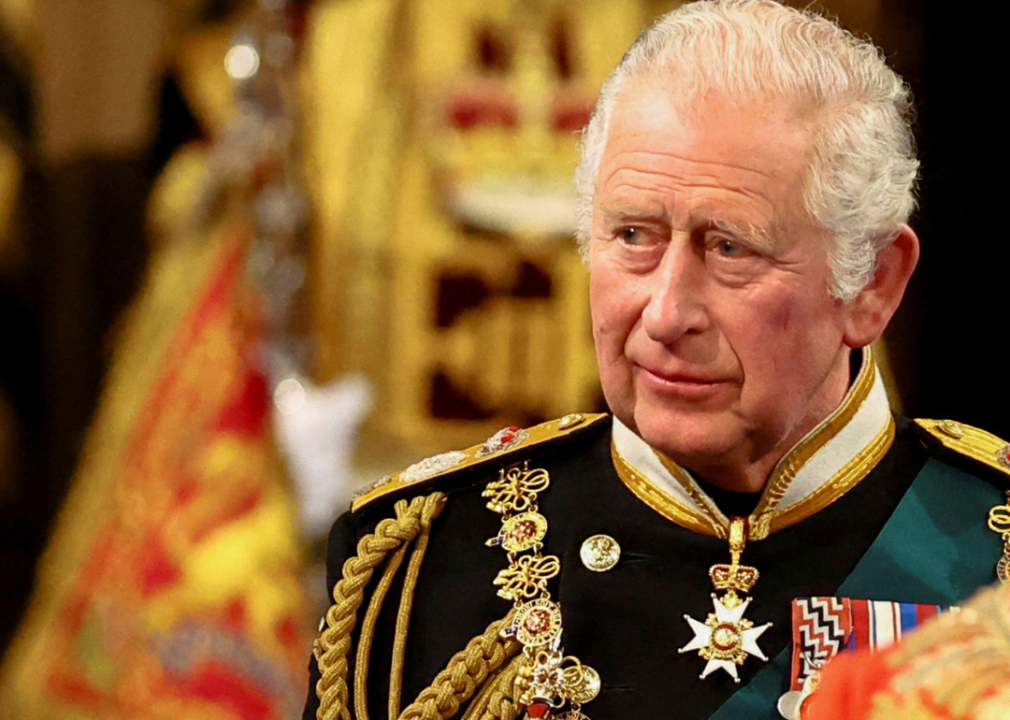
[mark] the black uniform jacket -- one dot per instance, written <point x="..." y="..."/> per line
<point x="627" y="623"/>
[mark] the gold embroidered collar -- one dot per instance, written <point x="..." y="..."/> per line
<point x="825" y="464"/>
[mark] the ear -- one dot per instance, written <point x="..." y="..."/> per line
<point x="871" y="310"/>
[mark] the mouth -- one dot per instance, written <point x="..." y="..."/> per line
<point x="689" y="385"/>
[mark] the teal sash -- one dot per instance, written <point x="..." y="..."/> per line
<point x="935" y="549"/>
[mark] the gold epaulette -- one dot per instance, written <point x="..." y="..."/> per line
<point x="499" y="445"/>
<point x="971" y="442"/>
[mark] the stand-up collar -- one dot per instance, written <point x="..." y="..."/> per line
<point x="825" y="464"/>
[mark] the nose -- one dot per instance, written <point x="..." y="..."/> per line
<point x="676" y="305"/>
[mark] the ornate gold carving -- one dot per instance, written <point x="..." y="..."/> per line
<point x="1003" y="456"/>
<point x="536" y="623"/>
<point x="999" y="518"/>
<point x="583" y="683"/>
<point x="733" y="577"/>
<point x="553" y="679"/>
<point x="1003" y="569"/>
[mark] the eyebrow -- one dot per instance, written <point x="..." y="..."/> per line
<point x="753" y="234"/>
<point x="632" y="214"/>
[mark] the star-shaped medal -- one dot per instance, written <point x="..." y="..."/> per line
<point x="726" y="638"/>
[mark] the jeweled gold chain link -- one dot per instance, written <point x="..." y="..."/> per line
<point x="546" y="678"/>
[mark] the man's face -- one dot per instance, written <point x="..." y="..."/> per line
<point x="717" y="339"/>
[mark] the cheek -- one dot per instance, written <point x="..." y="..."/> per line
<point x="612" y="307"/>
<point x="790" y="334"/>
<point x="780" y="310"/>
<point x="770" y="331"/>
<point x="761" y="316"/>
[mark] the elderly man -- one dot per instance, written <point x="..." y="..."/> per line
<point x="753" y="505"/>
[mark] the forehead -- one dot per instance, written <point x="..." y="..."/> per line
<point x="661" y="137"/>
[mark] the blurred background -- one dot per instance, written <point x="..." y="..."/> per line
<point x="255" y="254"/>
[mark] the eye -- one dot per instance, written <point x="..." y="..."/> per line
<point x="728" y="248"/>
<point x="631" y="236"/>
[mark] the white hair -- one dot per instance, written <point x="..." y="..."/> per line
<point x="862" y="174"/>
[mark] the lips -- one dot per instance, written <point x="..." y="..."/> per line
<point x="686" y="378"/>
<point x="691" y="387"/>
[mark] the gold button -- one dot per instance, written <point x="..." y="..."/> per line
<point x="1003" y="456"/>
<point x="952" y="428"/>
<point x="570" y="421"/>
<point x="599" y="553"/>
<point x="588" y="687"/>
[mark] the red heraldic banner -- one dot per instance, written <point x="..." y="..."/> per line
<point x="171" y="588"/>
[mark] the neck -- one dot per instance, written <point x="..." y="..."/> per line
<point x="821" y="460"/>
<point x="748" y="467"/>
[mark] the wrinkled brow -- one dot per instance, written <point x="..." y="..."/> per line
<point x="624" y="212"/>
<point x="751" y="233"/>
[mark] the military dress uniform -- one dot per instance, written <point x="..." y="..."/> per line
<point x="658" y="577"/>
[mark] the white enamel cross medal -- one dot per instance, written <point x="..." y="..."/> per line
<point x="726" y="638"/>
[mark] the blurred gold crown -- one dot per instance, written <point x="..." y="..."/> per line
<point x="503" y="135"/>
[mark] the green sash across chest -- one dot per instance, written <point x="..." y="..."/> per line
<point x="935" y="549"/>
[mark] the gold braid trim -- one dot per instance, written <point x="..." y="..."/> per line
<point x="368" y="631"/>
<point x="496" y="700"/>
<point x="466" y="671"/>
<point x="431" y="509"/>
<point x="334" y="643"/>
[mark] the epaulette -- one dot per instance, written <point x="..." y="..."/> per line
<point x="971" y="442"/>
<point x="503" y="443"/>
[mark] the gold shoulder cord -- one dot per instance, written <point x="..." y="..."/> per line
<point x="466" y="671"/>
<point x="515" y="664"/>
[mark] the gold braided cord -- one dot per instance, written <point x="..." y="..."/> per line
<point x="503" y="704"/>
<point x="334" y="643"/>
<point x="495" y="700"/>
<point x="465" y="673"/>
<point x="432" y="507"/>
<point x="368" y="629"/>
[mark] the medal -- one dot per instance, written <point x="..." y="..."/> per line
<point x="726" y="638"/>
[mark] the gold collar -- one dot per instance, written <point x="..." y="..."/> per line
<point x="824" y="465"/>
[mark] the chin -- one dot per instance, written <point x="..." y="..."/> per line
<point x="688" y="438"/>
